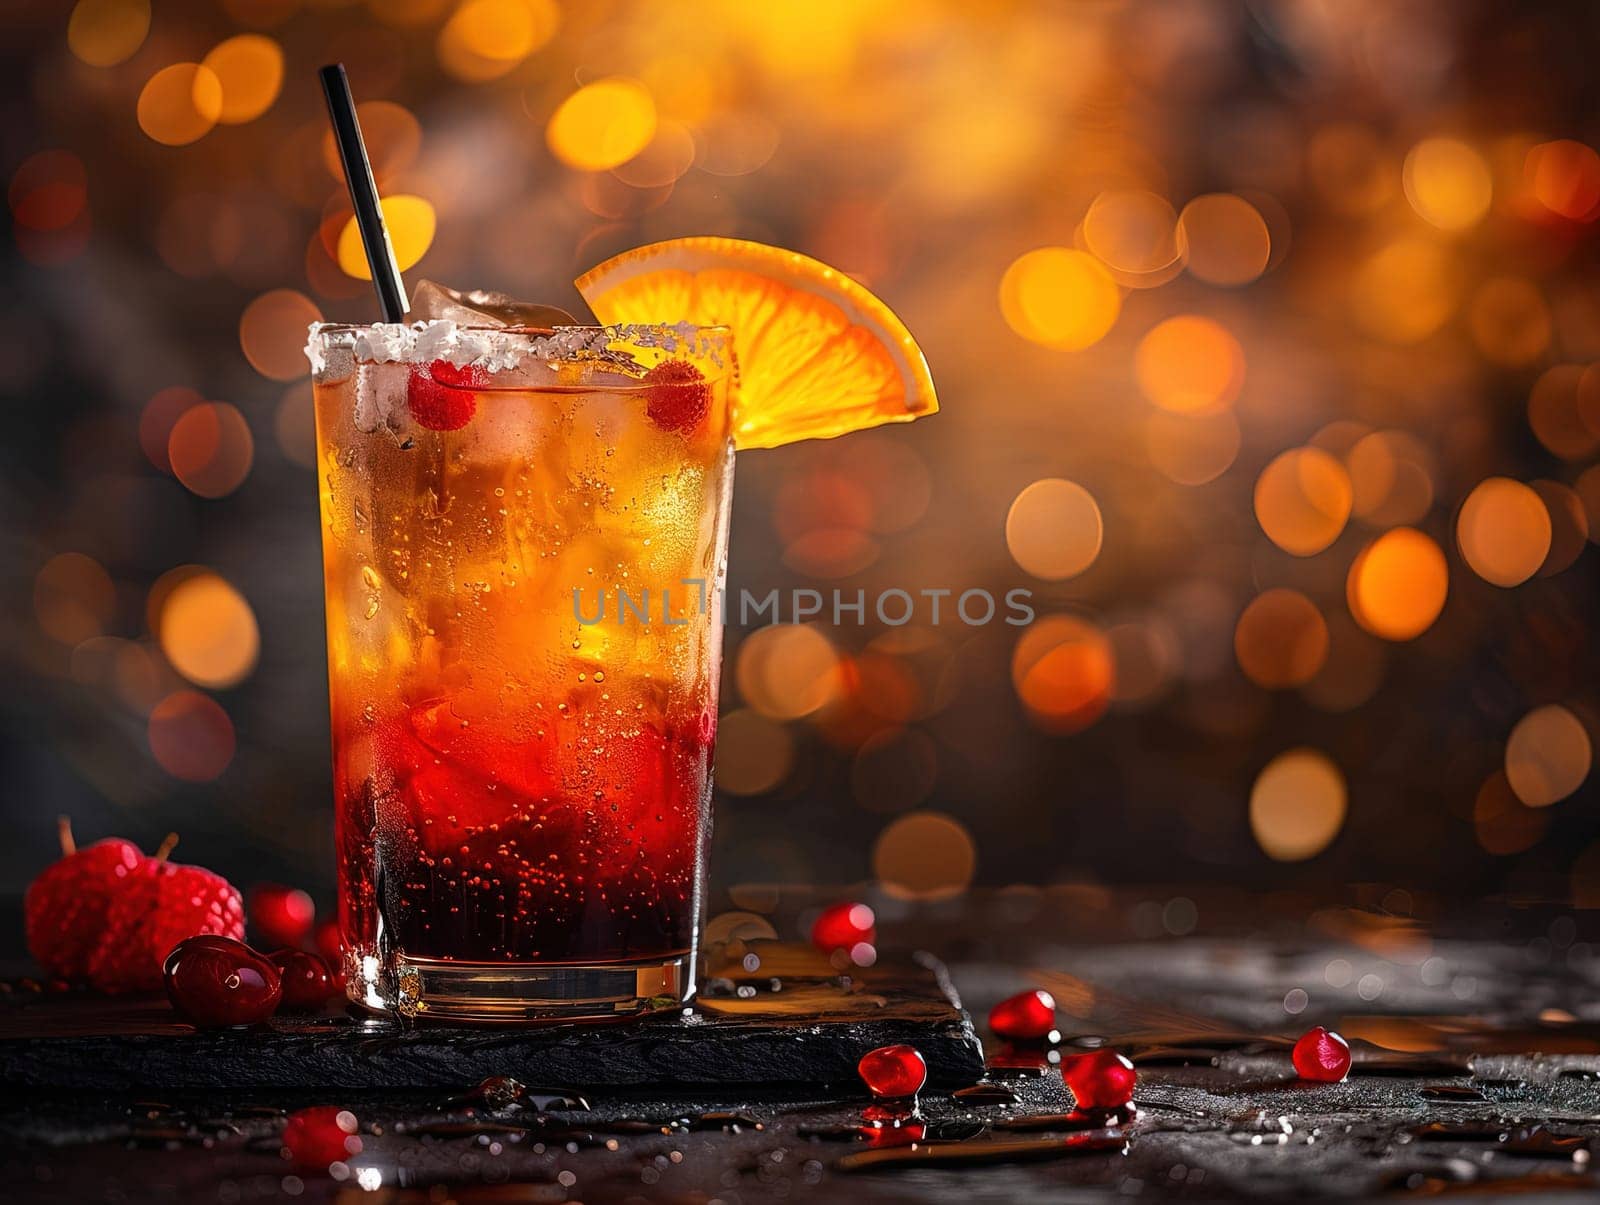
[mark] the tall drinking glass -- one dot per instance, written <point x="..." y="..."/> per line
<point x="524" y="539"/>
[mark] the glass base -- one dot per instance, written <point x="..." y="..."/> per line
<point x="427" y="989"/>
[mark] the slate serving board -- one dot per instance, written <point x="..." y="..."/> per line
<point x="809" y="1031"/>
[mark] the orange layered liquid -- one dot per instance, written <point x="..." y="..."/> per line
<point x="514" y="784"/>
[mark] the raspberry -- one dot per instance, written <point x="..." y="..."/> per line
<point x="440" y="395"/>
<point x="678" y="397"/>
<point x="159" y="906"/>
<point x="66" y="905"/>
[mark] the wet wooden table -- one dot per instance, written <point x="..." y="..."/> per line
<point x="1477" y="1068"/>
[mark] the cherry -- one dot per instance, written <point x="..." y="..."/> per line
<point x="306" y="981"/>
<point x="678" y="396"/>
<point x="1322" y="1055"/>
<point x="1025" y="1015"/>
<point x="848" y="927"/>
<point x="316" y="1137"/>
<point x="279" y="915"/>
<point x="216" y="981"/>
<point x="893" y="1071"/>
<point x="1101" y="1079"/>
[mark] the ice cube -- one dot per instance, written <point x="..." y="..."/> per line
<point x="381" y="398"/>
<point x="432" y="302"/>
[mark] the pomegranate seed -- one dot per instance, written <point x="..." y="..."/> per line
<point x="893" y="1071"/>
<point x="216" y="981"/>
<point x="844" y="927"/>
<point x="316" y="1137"/>
<point x="1322" y="1055"/>
<point x="1025" y="1015"/>
<point x="1101" y="1079"/>
<point x="307" y="985"/>
<point x="279" y="915"/>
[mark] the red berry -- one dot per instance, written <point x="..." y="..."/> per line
<point x="468" y="376"/>
<point x="66" y="905"/>
<point x="1322" y="1055"/>
<point x="1025" y="1015"/>
<point x="678" y="397"/>
<point x="217" y="981"/>
<point x="317" y="1137"/>
<point x="438" y="404"/>
<point x="160" y="905"/>
<point x="893" y="1071"/>
<point x="307" y="984"/>
<point x="279" y="915"/>
<point x="844" y="927"/>
<point x="1101" y="1079"/>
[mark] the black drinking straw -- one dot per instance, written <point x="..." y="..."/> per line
<point x="364" y="193"/>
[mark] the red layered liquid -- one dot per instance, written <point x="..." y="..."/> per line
<point x="578" y="844"/>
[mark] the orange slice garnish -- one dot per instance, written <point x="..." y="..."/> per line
<point x="818" y="354"/>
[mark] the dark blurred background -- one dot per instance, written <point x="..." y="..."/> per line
<point x="1263" y="333"/>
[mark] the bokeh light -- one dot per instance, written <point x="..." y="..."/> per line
<point x="1397" y="584"/>
<point x="160" y="414"/>
<point x="602" y="124"/>
<point x="295" y="426"/>
<point x="1063" y="672"/>
<point x="924" y="856"/>
<point x="272" y="333"/>
<point x="180" y="104"/>
<point x="211" y="449"/>
<point x="208" y="631"/>
<point x="1405" y="291"/>
<point x="754" y="753"/>
<point x="1391" y="479"/>
<point x="1569" y="525"/>
<point x="1134" y="233"/>
<point x="1303" y="500"/>
<point x="249" y="69"/>
<point x="1054" y="529"/>
<point x="1189" y="365"/>
<point x="1503" y="531"/>
<point x="486" y="39"/>
<point x="788" y="671"/>
<point x="1548" y="755"/>
<point x="411" y="223"/>
<point x="74" y="598"/>
<point x="1227" y="239"/>
<point x="191" y="736"/>
<point x="1192" y="449"/>
<point x="1565" y="177"/>
<point x="1564" y="410"/>
<point x="104" y="33"/>
<point x="49" y="191"/>
<point x="1281" y="639"/>
<point x="1297" y="805"/>
<point x="1502" y="823"/>
<point x="1509" y="321"/>
<point x="1060" y="298"/>
<point x="1447" y="183"/>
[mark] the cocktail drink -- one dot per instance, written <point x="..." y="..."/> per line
<point x="524" y="539"/>
<point x="525" y="530"/>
